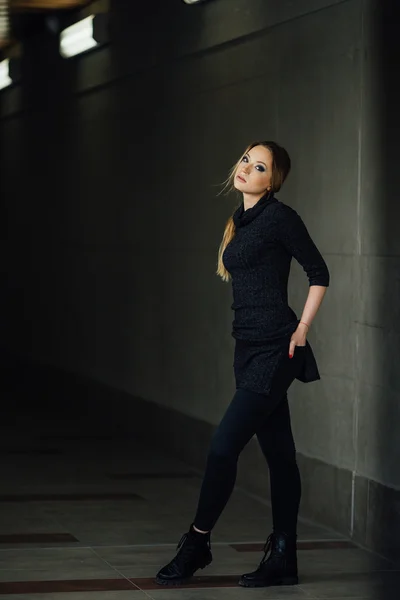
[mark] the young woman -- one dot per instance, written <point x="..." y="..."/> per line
<point x="271" y="350"/>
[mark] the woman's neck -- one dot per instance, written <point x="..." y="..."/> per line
<point x="250" y="200"/>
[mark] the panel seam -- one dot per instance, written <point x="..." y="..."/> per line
<point x="356" y="300"/>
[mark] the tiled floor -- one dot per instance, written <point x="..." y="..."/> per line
<point x="95" y="519"/>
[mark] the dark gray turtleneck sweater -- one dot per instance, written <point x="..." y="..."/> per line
<point x="258" y="259"/>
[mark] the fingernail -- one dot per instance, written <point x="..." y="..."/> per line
<point x="290" y="355"/>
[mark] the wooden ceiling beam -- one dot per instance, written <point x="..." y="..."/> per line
<point x="46" y="4"/>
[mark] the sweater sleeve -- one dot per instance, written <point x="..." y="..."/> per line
<point x="293" y="235"/>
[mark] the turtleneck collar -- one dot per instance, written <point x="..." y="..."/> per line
<point x="243" y="217"/>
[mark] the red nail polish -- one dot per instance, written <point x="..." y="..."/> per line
<point x="290" y="355"/>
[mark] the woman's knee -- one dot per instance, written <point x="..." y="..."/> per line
<point x="221" y="451"/>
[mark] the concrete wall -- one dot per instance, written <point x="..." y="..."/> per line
<point x="110" y="173"/>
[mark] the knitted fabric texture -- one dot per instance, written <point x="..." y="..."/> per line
<point x="258" y="259"/>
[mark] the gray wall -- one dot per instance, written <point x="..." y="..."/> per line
<point x="110" y="175"/>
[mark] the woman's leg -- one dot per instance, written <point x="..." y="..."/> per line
<point x="236" y="429"/>
<point x="276" y="441"/>
<point x="279" y="564"/>
<point x="240" y="422"/>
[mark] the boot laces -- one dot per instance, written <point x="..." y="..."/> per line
<point x="275" y="554"/>
<point x="267" y="549"/>
<point x="182" y="541"/>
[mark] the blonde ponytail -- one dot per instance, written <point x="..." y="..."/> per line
<point x="228" y="236"/>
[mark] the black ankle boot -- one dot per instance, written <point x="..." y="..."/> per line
<point x="279" y="568"/>
<point x="194" y="552"/>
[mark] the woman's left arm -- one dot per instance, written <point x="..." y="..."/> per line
<point x="294" y="236"/>
<point x="315" y="296"/>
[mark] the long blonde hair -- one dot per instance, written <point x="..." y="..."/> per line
<point x="280" y="169"/>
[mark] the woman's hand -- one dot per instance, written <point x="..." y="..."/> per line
<point x="299" y="338"/>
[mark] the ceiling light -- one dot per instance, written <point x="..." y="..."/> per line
<point x="5" y="79"/>
<point x="77" y="38"/>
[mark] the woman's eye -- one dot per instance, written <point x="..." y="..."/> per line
<point x="245" y="159"/>
<point x="260" y="168"/>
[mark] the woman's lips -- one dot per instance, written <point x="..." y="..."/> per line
<point x="241" y="178"/>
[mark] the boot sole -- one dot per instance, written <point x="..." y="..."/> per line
<point x="282" y="581"/>
<point x="177" y="582"/>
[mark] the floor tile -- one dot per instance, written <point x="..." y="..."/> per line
<point x="373" y="586"/>
<point x="38" y="497"/>
<point x="235" y="593"/>
<point x="345" y="560"/>
<point x="37" y="538"/>
<point x="105" y="494"/>
<point x="53" y="564"/>
<point x="301" y="545"/>
<point x="109" y="595"/>
<point x="251" y="529"/>
<point x="142" y="562"/>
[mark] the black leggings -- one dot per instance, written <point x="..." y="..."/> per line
<point x="268" y="417"/>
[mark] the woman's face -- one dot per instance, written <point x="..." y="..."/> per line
<point x="254" y="172"/>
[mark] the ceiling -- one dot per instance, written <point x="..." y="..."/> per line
<point x="45" y="4"/>
<point x="9" y="9"/>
